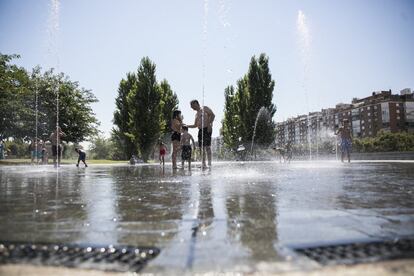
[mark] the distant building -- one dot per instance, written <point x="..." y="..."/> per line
<point x="406" y="91"/>
<point x="380" y="111"/>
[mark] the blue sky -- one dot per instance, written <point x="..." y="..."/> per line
<point x="355" y="47"/>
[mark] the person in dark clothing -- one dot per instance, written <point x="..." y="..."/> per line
<point x="176" y="125"/>
<point x="82" y="157"/>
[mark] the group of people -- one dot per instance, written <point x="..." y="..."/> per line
<point x="183" y="141"/>
<point x="39" y="151"/>
<point x="345" y="144"/>
<point x="57" y="148"/>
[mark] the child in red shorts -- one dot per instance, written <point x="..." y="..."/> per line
<point x="163" y="151"/>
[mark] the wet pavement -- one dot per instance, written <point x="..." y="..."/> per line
<point x="237" y="217"/>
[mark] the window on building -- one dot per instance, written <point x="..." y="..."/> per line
<point x="409" y="113"/>
<point x="385" y="112"/>
<point x="375" y="107"/>
<point x="398" y="111"/>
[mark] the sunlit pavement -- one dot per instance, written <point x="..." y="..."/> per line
<point x="237" y="217"/>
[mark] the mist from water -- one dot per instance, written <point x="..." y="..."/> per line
<point x="304" y="44"/>
<point x="265" y="116"/>
<point x="53" y="30"/>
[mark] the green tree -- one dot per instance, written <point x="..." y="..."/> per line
<point x="143" y="112"/>
<point x="75" y="117"/>
<point x="14" y="98"/>
<point x="254" y="92"/>
<point x="145" y="122"/>
<point x="124" y="143"/>
<point x="69" y="151"/>
<point x="260" y="88"/>
<point x="231" y="120"/>
<point x="169" y="103"/>
<point x="101" y="148"/>
<point x="118" y="150"/>
<point x="18" y="91"/>
<point x="385" y="141"/>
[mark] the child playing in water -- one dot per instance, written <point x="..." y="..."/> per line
<point x="186" y="148"/>
<point x="45" y="154"/>
<point x="82" y="157"/>
<point x="36" y="150"/>
<point x="163" y="151"/>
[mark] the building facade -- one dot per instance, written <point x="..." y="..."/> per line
<point x="380" y="111"/>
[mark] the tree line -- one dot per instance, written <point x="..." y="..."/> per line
<point x="143" y="111"/>
<point x="143" y="108"/>
<point x="385" y="141"/>
<point x="22" y="92"/>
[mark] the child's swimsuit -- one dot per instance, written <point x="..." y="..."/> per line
<point x="176" y="136"/>
<point x="186" y="152"/>
<point x="346" y="144"/>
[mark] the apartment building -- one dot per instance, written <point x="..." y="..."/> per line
<point x="381" y="110"/>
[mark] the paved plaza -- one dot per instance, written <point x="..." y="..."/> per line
<point x="238" y="217"/>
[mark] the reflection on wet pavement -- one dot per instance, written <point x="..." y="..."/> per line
<point x="234" y="217"/>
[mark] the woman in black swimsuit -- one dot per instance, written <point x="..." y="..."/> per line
<point x="176" y="124"/>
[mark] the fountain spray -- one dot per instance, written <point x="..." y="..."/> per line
<point x="205" y="6"/>
<point x="305" y="39"/>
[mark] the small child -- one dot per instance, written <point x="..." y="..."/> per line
<point x="163" y="151"/>
<point x="82" y="157"/>
<point x="45" y="154"/>
<point x="186" y="148"/>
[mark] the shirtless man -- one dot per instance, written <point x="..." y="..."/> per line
<point x="346" y="140"/>
<point x="204" y="122"/>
